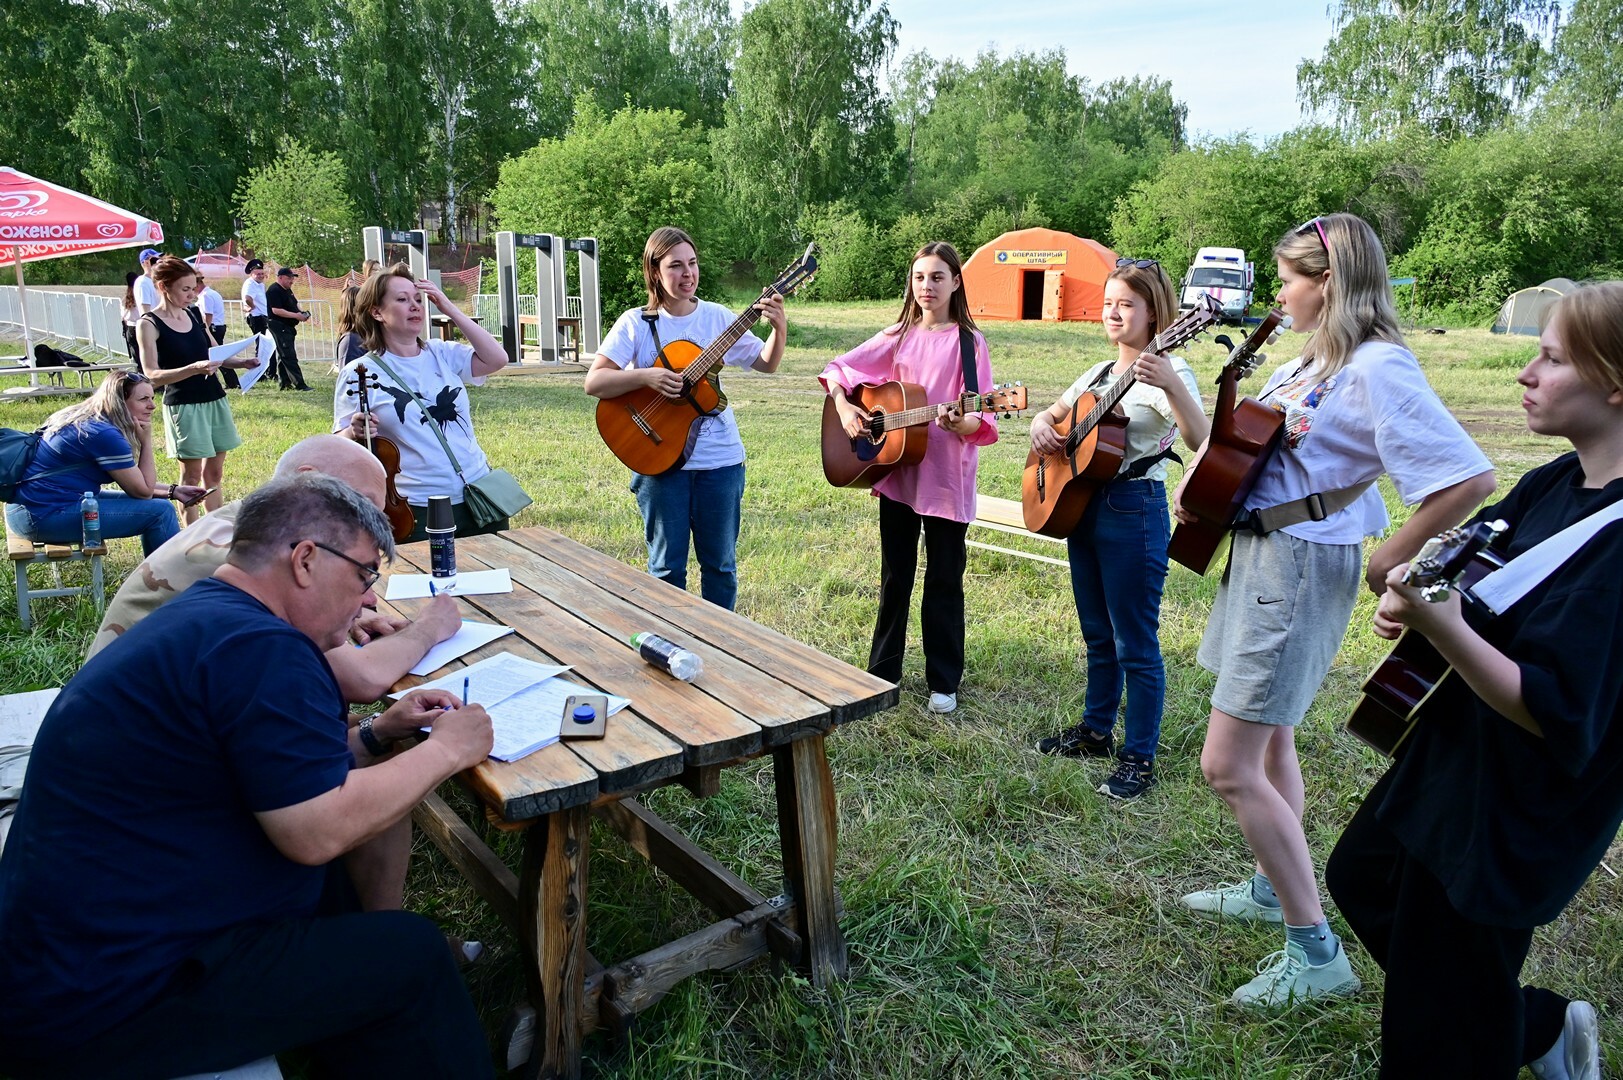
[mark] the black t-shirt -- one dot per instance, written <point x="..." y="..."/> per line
<point x="1512" y="824"/>
<point x="280" y="296"/>
<point x="176" y="350"/>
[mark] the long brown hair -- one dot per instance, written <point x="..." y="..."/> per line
<point x="348" y="308"/>
<point x="371" y="297"/>
<point x="660" y="244"/>
<point x="957" y="307"/>
<point x="1357" y="298"/>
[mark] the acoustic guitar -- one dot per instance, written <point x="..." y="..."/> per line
<point x="1401" y="686"/>
<point x="653" y="434"/>
<point x="1243" y="436"/>
<point x="897" y="429"/>
<point x="1055" y="488"/>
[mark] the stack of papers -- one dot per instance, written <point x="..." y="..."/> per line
<point x="525" y="700"/>
<point x="248" y="376"/>
<point x="468" y="583"/>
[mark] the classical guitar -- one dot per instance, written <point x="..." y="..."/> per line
<point x="897" y="429"/>
<point x="1055" y="488"/>
<point x="653" y="434"/>
<point x="395" y="507"/>
<point x="1242" y="438"/>
<point x="1400" y="687"/>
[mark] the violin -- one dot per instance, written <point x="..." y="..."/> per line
<point x="395" y="507"/>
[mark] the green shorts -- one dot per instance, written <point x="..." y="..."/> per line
<point x="194" y="432"/>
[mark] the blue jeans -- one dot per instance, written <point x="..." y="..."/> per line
<point x="1118" y="567"/>
<point x="153" y="520"/>
<point x="707" y="503"/>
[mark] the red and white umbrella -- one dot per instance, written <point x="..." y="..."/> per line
<point x="42" y="220"/>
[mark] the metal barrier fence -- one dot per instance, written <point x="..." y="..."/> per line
<point x="85" y="319"/>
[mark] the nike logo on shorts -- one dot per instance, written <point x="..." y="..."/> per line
<point x="1260" y="600"/>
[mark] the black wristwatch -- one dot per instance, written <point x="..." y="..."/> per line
<point x="374" y="745"/>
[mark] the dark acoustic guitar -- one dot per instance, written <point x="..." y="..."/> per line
<point x="1399" y="689"/>
<point x="1055" y="488"/>
<point x="653" y="434"/>
<point x="1243" y="436"/>
<point x="898" y="428"/>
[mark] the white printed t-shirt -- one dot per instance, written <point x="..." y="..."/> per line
<point x="255" y="291"/>
<point x="630" y="343"/>
<point x="440" y="376"/>
<point x="1151" y="424"/>
<point x="146" y="293"/>
<point x="1378" y="414"/>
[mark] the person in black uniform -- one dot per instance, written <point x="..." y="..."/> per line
<point x="1510" y="789"/>
<point x="285" y="317"/>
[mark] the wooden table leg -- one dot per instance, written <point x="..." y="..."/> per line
<point x="807" y="831"/>
<point x="552" y="898"/>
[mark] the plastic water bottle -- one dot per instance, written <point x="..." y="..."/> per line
<point x="441" y="529"/>
<point x="90" y="520"/>
<point x="668" y="656"/>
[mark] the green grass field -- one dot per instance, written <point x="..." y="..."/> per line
<point x="1003" y="919"/>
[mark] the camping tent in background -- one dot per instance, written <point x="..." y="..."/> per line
<point x="1038" y="274"/>
<point x="1523" y="311"/>
<point x="41" y="220"/>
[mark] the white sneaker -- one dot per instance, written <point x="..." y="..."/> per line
<point x="1286" y="978"/>
<point x="1232" y="902"/>
<point x="943" y="702"/>
<point x="1576" y="1054"/>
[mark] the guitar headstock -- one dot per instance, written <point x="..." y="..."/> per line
<point x="1243" y="360"/>
<point x="1007" y="399"/>
<point x="1443" y="559"/>
<point x="1188" y="326"/>
<point x="796" y="275"/>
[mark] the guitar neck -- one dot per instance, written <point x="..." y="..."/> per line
<point x="710" y="360"/>
<point x="968" y="403"/>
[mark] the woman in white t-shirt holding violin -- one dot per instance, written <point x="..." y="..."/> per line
<point x="704" y="498"/>
<point x="1356" y="406"/>
<point x="417" y="381"/>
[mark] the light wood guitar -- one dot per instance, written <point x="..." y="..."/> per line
<point x="1055" y="488"/>
<point x="898" y="428"/>
<point x="1401" y="686"/>
<point x="653" y="434"/>
<point x="1243" y="436"/>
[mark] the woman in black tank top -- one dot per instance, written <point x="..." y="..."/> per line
<point x="174" y="354"/>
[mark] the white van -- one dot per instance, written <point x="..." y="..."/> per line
<point x="1223" y="274"/>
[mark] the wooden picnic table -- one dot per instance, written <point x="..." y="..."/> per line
<point x="760" y="693"/>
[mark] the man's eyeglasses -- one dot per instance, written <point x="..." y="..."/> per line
<point x="1316" y="225"/>
<point x="369" y="574"/>
<point x="1138" y="264"/>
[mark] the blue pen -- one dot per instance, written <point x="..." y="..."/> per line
<point x="431" y="590"/>
<point x="464" y="691"/>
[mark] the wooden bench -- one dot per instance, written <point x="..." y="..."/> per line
<point x="89" y="377"/>
<point x="1005" y="515"/>
<point x="24" y="553"/>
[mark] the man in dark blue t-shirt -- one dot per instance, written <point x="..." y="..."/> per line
<point x="170" y="901"/>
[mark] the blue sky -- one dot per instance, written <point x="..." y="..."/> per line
<point x="1233" y="63"/>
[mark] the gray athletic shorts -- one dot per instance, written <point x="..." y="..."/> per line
<point x="1281" y="612"/>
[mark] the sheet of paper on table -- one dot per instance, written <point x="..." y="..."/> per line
<point x="468" y="583"/>
<point x="493" y="679"/>
<point x="21" y="714"/>
<point x="473" y="635"/>
<point x="531" y="719"/>
<point x="246" y="377"/>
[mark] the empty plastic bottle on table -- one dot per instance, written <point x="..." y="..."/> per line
<point x="90" y="519"/>
<point x="668" y="656"/>
<point x="441" y="530"/>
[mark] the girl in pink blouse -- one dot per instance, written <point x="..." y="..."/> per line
<point x="936" y="495"/>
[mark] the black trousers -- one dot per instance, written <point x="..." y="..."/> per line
<point x="228" y="374"/>
<point x="287" y="371"/>
<point x="1453" y="1005"/>
<point x="132" y="344"/>
<point x="942" y="606"/>
<point x="368" y="995"/>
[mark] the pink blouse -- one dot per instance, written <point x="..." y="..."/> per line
<point x="943" y="483"/>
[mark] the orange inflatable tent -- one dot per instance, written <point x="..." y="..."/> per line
<point x="1038" y="274"/>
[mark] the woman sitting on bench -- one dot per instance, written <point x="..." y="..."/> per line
<point x="107" y="437"/>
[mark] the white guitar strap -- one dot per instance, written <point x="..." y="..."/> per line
<point x="1518" y="577"/>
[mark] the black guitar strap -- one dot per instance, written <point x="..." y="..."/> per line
<point x="966" y="357"/>
<point x="653" y="328"/>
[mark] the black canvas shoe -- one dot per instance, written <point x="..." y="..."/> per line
<point x="1132" y="777"/>
<point x="1078" y="741"/>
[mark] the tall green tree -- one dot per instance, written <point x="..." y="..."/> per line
<point x="704" y="47"/>
<point x="614" y="50"/>
<point x="1139" y="115"/>
<point x="1587" y="69"/>
<point x="1452" y="67"/>
<point x="806" y="122"/>
<point x="40" y="53"/>
<point x="385" y="111"/>
<point x="297" y="209"/>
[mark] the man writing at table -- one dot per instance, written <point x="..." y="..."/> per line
<point x="170" y="896"/>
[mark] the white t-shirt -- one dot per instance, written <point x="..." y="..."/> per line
<point x="629" y="342"/>
<point x="1378" y="414"/>
<point x="146" y="294"/>
<point x="440" y="376"/>
<point x="1151" y="425"/>
<point x="253" y="291"/>
<point x="213" y="305"/>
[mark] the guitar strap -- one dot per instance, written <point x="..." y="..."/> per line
<point x="1314" y="507"/>
<point x="1518" y="577"/>
<point x="966" y="357"/>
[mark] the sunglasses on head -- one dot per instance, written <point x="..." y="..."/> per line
<point x="1138" y="264"/>
<point x="1316" y="225"/>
